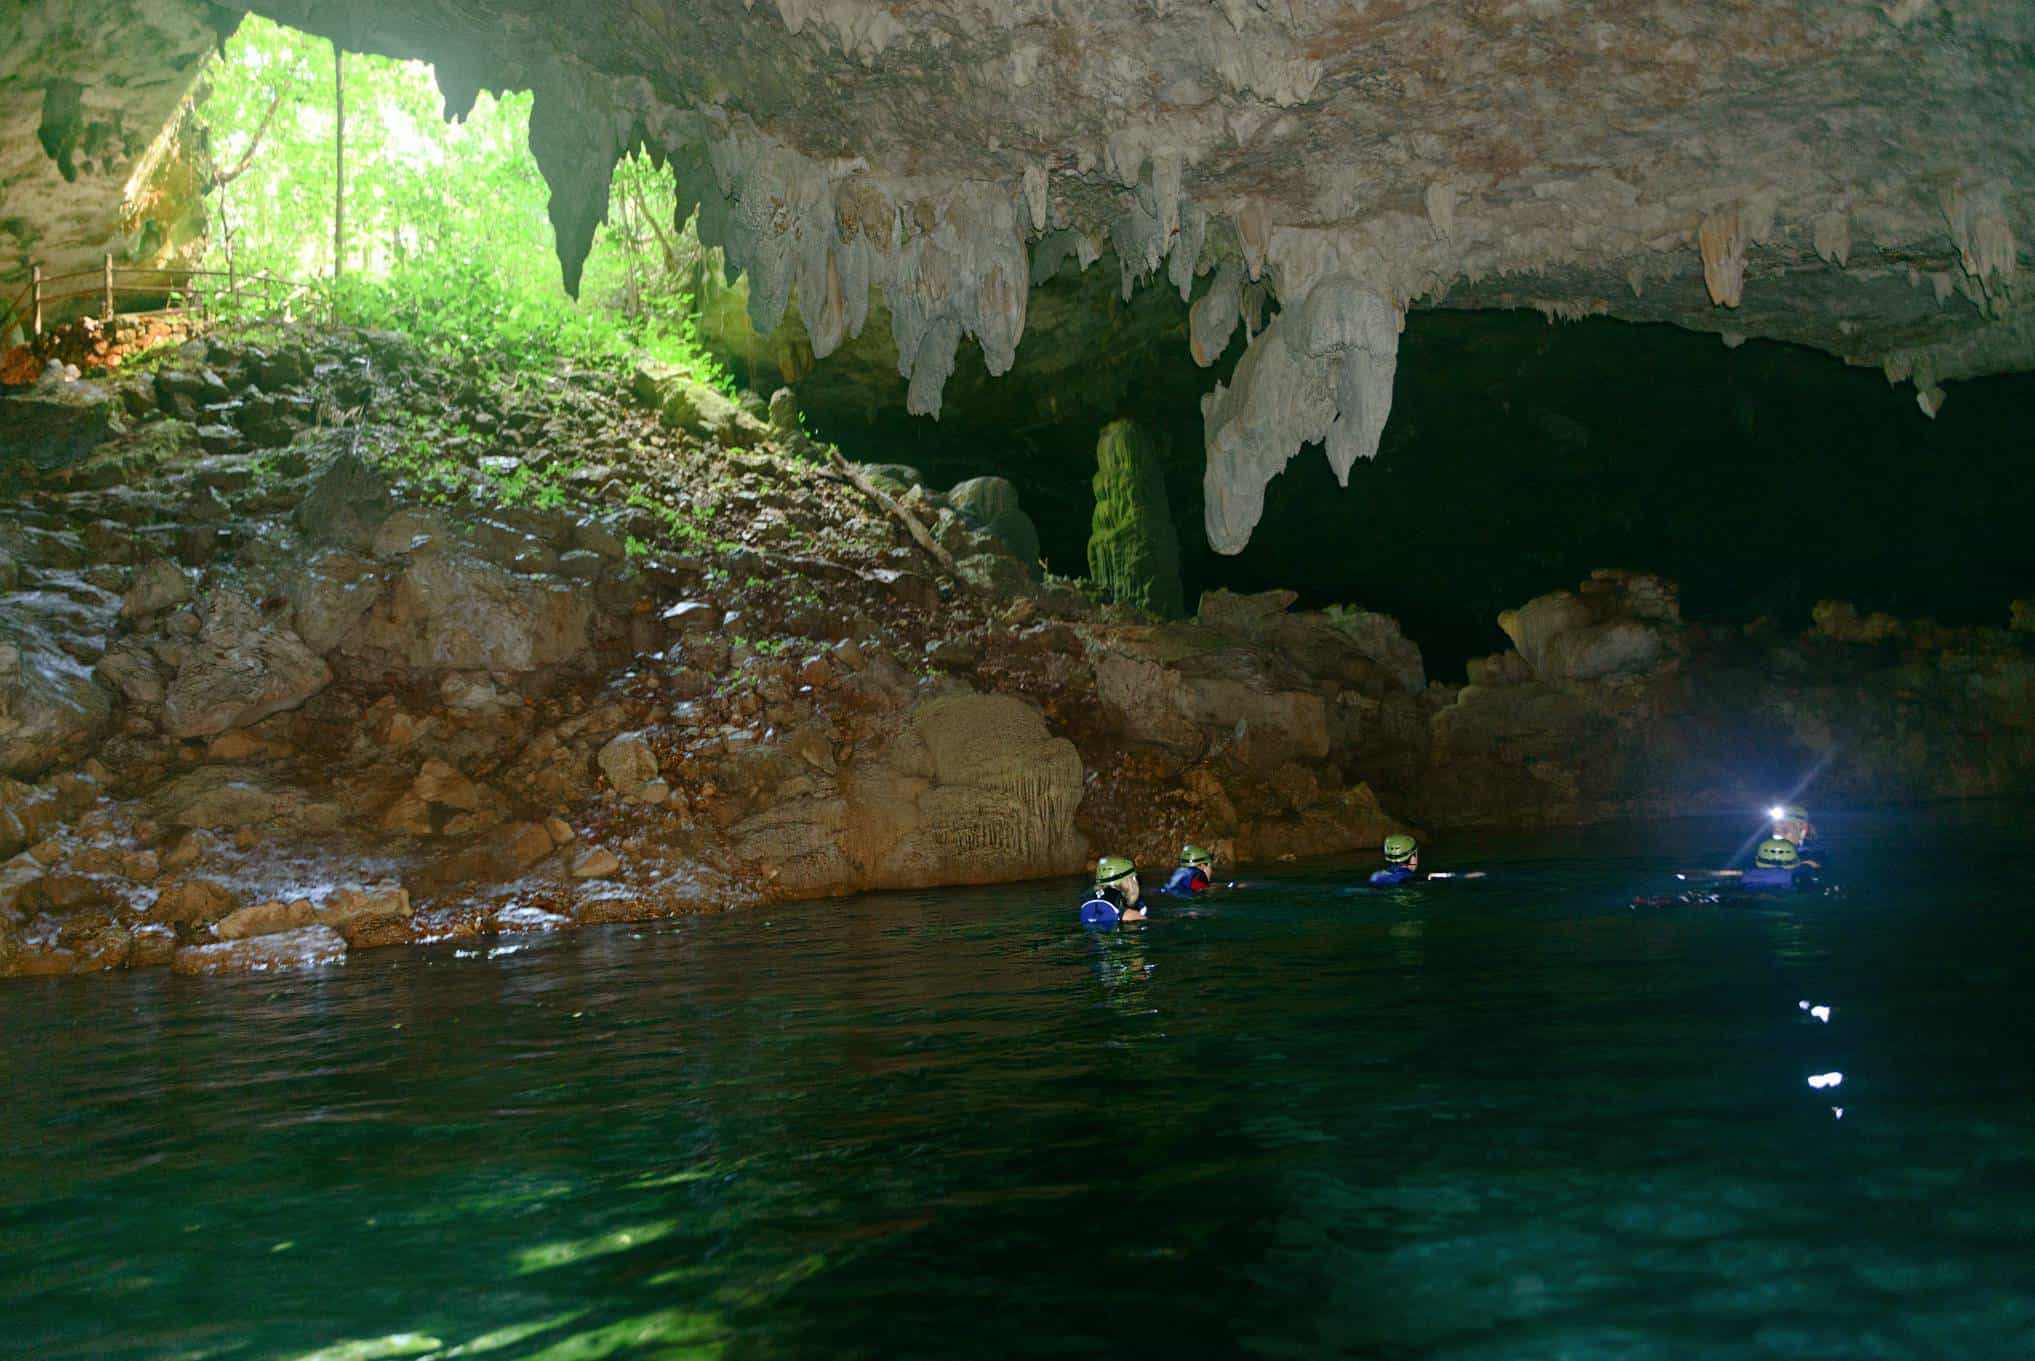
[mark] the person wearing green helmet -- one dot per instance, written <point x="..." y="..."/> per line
<point x="1775" y="867"/>
<point x="1791" y="824"/>
<point x="1402" y="864"/>
<point x="1116" y="897"/>
<point x="1194" y="873"/>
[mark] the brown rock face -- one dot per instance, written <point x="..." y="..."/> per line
<point x="973" y="789"/>
<point x="310" y="947"/>
<point x="241" y="669"/>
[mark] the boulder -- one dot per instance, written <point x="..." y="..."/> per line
<point x="1378" y="637"/>
<point x="27" y="814"/>
<point x="328" y="593"/>
<point x="55" y="425"/>
<point x="1015" y="531"/>
<point x="1176" y="690"/>
<point x="1618" y="624"/>
<point x="265" y="919"/>
<point x="52" y="710"/>
<point x="222" y="797"/>
<point x="980" y="500"/>
<point x="309" y="947"/>
<point x="972" y="789"/>
<point x="192" y="902"/>
<point x="596" y="862"/>
<point x="997" y="575"/>
<point x="1242" y="616"/>
<point x="685" y="403"/>
<point x="902" y="476"/>
<point x="1839" y="620"/>
<point x="158" y="585"/>
<point x="1350" y="647"/>
<point x="1133" y="549"/>
<point x="240" y="669"/>
<point x="347" y="503"/>
<point x="453" y="612"/>
<point x="347" y="907"/>
<point x="631" y="766"/>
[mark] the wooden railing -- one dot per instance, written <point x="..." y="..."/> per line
<point x="203" y="290"/>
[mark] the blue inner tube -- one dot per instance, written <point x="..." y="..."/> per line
<point x="1099" y="914"/>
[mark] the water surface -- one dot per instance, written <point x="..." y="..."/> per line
<point x="1512" y="1119"/>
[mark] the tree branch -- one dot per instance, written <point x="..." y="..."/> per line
<point x="222" y="178"/>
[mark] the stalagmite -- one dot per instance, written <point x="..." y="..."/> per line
<point x="1133" y="551"/>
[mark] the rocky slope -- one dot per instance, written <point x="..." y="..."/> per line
<point x="311" y="636"/>
<point x="308" y="643"/>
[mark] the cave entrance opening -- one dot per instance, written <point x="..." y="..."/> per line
<point x="447" y="230"/>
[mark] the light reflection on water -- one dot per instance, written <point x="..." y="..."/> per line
<point x="1513" y="1118"/>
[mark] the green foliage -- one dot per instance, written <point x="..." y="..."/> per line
<point x="448" y="237"/>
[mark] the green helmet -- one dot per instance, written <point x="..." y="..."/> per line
<point x="1400" y="848"/>
<point x="1196" y="858"/>
<point x="1776" y="853"/>
<point x="1113" y="869"/>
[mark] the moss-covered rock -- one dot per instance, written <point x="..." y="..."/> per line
<point x="1133" y="551"/>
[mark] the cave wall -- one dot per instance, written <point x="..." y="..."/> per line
<point x="98" y="155"/>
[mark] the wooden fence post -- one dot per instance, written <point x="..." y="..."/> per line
<point x="35" y="295"/>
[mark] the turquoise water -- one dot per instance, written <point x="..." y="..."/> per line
<point x="1511" y="1119"/>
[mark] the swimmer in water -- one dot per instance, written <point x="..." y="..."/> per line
<point x="1117" y="896"/>
<point x="1402" y="864"/>
<point x="1194" y="873"/>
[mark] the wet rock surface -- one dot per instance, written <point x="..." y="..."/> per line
<point x="261" y="708"/>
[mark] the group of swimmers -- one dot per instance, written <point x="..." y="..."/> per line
<point x="1783" y="861"/>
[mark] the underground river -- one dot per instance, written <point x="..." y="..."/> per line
<point x="1518" y="1118"/>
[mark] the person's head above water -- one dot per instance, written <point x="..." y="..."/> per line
<point x="1117" y="872"/>
<point x="1401" y="849"/>
<point x="1791" y="823"/>
<point x="1776" y="853"/>
<point x="1195" y="858"/>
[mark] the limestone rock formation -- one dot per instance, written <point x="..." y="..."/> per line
<point x="306" y="947"/>
<point x="240" y="669"/>
<point x="96" y="157"/>
<point x="1850" y="177"/>
<point x="971" y="789"/>
<point x="1133" y="550"/>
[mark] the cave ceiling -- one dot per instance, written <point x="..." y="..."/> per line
<point x="1851" y="176"/>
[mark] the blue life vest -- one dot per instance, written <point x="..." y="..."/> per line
<point x="1393" y="874"/>
<point x="1099" y="914"/>
<point x="1187" y="879"/>
<point x="1768" y="879"/>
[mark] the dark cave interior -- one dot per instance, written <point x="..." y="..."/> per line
<point x="1522" y="455"/>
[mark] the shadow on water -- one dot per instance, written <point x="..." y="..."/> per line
<point x="1508" y="1118"/>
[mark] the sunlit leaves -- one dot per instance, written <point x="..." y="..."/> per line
<point x="448" y="237"/>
